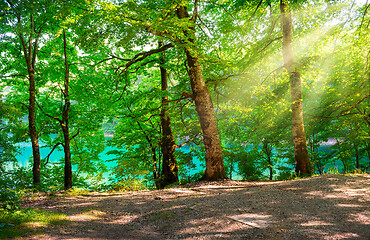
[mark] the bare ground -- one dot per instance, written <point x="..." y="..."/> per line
<point x="323" y="207"/>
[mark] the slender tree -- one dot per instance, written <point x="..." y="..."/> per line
<point x="64" y="119"/>
<point x="64" y="122"/>
<point x="29" y="40"/>
<point x="168" y="146"/>
<point x="303" y="165"/>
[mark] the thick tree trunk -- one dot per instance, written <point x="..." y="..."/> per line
<point x="303" y="165"/>
<point x="65" y="122"/>
<point x="168" y="146"/>
<point x="204" y="107"/>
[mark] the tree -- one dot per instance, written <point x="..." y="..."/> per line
<point x="140" y="23"/>
<point x="303" y="165"/>
<point x="20" y="22"/>
<point x="203" y="104"/>
<point x="64" y="120"/>
<point x="168" y="146"/>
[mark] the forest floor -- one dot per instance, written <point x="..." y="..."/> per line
<point x="322" y="207"/>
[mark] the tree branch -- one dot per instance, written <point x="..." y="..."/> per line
<point x="344" y="112"/>
<point x="42" y="110"/>
<point x="141" y="56"/>
<point x="48" y="156"/>
<point x="254" y="13"/>
<point x="39" y="134"/>
<point x="363" y="16"/>
<point x="268" y="44"/>
<point x="35" y="49"/>
<point x="195" y="12"/>
<point x="354" y="106"/>
<point x="186" y="127"/>
<point x="78" y="131"/>
<point x="10" y="76"/>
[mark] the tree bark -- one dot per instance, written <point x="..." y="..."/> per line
<point x="65" y="121"/>
<point x="269" y="160"/>
<point x="303" y="165"/>
<point x="168" y="146"/>
<point x="314" y="158"/>
<point x="32" y="128"/>
<point x="155" y="169"/>
<point x="204" y="107"/>
<point x="30" y="52"/>
<point x="357" y="157"/>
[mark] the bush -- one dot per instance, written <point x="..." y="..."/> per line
<point x="128" y="185"/>
<point x="10" y="199"/>
<point x="249" y="170"/>
<point x="12" y="223"/>
<point x="192" y="178"/>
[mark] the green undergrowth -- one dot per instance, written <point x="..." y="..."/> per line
<point x="16" y="221"/>
<point x="75" y="192"/>
<point x="128" y="185"/>
<point x="26" y="222"/>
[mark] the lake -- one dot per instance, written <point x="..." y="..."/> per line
<point x="24" y="158"/>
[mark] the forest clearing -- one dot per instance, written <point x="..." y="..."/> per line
<point x="323" y="207"/>
<point x="132" y="119"/>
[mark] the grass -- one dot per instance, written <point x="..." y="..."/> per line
<point x="75" y="192"/>
<point x="26" y="222"/>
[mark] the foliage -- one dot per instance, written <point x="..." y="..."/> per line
<point x="10" y="200"/>
<point x="239" y="46"/>
<point x="128" y="185"/>
<point x="17" y="223"/>
<point x="52" y="179"/>
<point x="249" y="170"/>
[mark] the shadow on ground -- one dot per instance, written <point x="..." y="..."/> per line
<point x="323" y="207"/>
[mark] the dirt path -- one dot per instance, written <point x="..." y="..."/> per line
<point x="323" y="207"/>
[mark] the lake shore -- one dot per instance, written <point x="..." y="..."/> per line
<point x="321" y="207"/>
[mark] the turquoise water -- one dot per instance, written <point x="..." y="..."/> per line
<point x="24" y="158"/>
<point x="26" y="154"/>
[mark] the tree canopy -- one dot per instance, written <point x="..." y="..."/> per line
<point x="151" y="93"/>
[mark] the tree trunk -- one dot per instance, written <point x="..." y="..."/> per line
<point x="65" y="122"/>
<point x="204" y="107"/>
<point x="303" y="165"/>
<point x="269" y="160"/>
<point x="67" y="159"/>
<point x="30" y="52"/>
<point x="168" y="146"/>
<point x="342" y="159"/>
<point x="32" y="128"/>
<point x="231" y="167"/>
<point x="154" y="164"/>
<point x="314" y="157"/>
<point x="153" y="152"/>
<point x="357" y="157"/>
